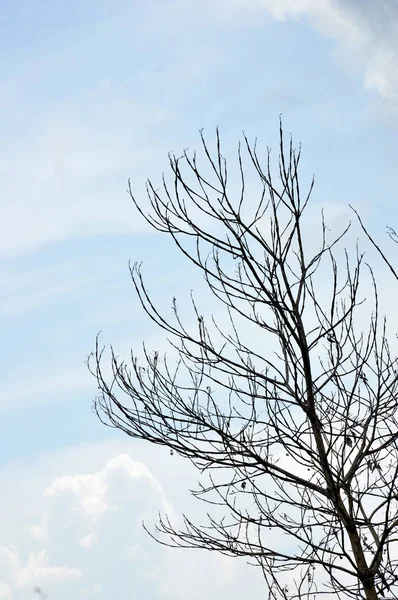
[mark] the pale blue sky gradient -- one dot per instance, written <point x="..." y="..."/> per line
<point x="92" y="93"/>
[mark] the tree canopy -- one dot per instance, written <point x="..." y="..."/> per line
<point x="287" y="406"/>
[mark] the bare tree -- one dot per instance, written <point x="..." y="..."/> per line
<point x="288" y="412"/>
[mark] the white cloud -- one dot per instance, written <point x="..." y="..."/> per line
<point x="39" y="532"/>
<point x="5" y="592"/>
<point x="381" y="72"/>
<point x="88" y="541"/>
<point x="122" y="558"/>
<point x="88" y="511"/>
<point x="39" y="568"/>
<point x="36" y="568"/>
<point x="360" y="39"/>
<point x="93" y="492"/>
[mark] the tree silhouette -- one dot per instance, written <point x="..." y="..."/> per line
<point x="288" y="411"/>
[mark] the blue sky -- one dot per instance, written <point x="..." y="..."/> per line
<point x="92" y="93"/>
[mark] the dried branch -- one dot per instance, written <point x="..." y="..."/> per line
<point x="289" y="411"/>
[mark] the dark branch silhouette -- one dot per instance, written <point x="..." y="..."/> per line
<point x="289" y="411"/>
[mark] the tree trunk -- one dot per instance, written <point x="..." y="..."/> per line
<point x="369" y="589"/>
